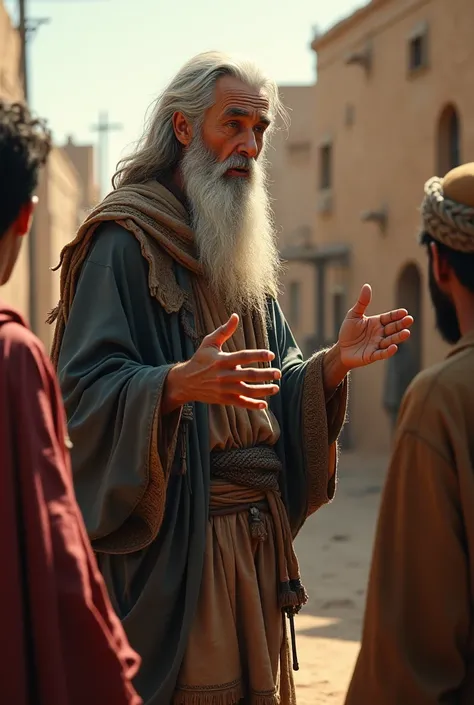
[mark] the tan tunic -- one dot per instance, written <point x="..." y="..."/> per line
<point x="418" y="641"/>
<point x="238" y="647"/>
<point x="238" y="633"/>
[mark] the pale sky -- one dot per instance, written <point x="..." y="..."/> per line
<point x="117" y="55"/>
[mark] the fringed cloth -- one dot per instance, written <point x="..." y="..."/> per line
<point x="251" y="580"/>
<point x="160" y="223"/>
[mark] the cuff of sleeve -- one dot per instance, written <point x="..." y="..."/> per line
<point x="336" y="408"/>
<point x="321" y="484"/>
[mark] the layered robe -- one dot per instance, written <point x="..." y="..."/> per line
<point x="60" y="640"/>
<point x="418" y="638"/>
<point x="143" y="480"/>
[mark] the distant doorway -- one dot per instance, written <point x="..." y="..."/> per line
<point x="405" y="365"/>
<point x="448" y="140"/>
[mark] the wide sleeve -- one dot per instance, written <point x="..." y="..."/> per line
<point x="311" y="424"/>
<point x="112" y="368"/>
<point x="418" y="617"/>
<point x="77" y="643"/>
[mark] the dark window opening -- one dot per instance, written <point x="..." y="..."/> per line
<point x="326" y="167"/>
<point x="417" y="53"/>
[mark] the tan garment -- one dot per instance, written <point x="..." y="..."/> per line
<point x="238" y="640"/>
<point x="238" y="645"/>
<point x="418" y="640"/>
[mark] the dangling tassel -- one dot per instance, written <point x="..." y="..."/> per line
<point x="257" y="525"/>
<point x="291" y="617"/>
<point x="300" y="591"/>
<point x="286" y="596"/>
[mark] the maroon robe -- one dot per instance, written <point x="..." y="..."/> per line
<point x="60" y="640"/>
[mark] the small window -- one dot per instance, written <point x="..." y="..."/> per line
<point x="325" y="181"/>
<point x="295" y="303"/>
<point x="418" y="49"/>
<point x="416" y="53"/>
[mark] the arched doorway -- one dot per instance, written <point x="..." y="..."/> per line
<point x="409" y="296"/>
<point x="448" y="140"/>
<point x="403" y="367"/>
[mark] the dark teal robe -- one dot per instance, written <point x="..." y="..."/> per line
<point x="149" y="534"/>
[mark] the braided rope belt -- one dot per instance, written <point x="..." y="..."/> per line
<point x="257" y="467"/>
<point x="448" y="222"/>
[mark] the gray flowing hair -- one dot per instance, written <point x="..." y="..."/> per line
<point x="190" y="92"/>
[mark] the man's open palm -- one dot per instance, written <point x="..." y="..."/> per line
<point x="366" y="339"/>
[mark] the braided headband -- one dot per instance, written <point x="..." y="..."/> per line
<point x="448" y="222"/>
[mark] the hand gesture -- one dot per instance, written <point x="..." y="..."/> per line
<point x="366" y="339"/>
<point x="212" y="376"/>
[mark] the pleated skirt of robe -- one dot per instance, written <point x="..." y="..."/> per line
<point x="238" y="650"/>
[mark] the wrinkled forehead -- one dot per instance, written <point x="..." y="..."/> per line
<point x="233" y="98"/>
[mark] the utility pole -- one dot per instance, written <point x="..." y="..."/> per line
<point x="23" y="60"/>
<point x="25" y="27"/>
<point x="104" y="127"/>
<point x="32" y="298"/>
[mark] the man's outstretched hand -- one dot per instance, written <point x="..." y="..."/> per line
<point x="363" y="340"/>
<point x="212" y="376"/>
<point x="366" y="339"/>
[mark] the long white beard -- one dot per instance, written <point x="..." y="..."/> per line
<point x="233" y="227"/>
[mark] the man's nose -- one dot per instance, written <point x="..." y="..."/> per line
<point x="248" y="146"/>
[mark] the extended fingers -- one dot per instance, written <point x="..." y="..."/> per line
<point x="394" y="339"/>
<point x="245" y="357"/>
<point x="395" y="315"/>
<point x="254" y="391"/>
<point x="246" y="403"/>
<point x="384" y="354"/>
<point x="398" y="325"/>
<point x="253" y="375"/>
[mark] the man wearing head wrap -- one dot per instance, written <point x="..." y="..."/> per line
<point x="192" y="485"/>
<point x="418" y="638"/>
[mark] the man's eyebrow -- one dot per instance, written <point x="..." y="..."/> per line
<point x="241" y="112"/>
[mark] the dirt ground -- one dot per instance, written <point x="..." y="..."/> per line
<point x="334" y="551"/>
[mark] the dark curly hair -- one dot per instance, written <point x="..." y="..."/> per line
<point x="25" y="143"/>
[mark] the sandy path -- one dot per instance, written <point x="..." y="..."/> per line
<point x="334" y="551"/>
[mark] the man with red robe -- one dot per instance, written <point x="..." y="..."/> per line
<point x="60" y="640"/>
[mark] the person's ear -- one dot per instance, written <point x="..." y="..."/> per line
<point x="23" y="221"/>
<point x="182" y="129"/>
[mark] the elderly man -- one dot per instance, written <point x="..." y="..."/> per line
<point x="418" y="641"/>
<point x="202" y="440"/>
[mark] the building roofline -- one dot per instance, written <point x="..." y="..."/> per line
<point x="290" y="86"/>
<point x="347" y="23"/>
